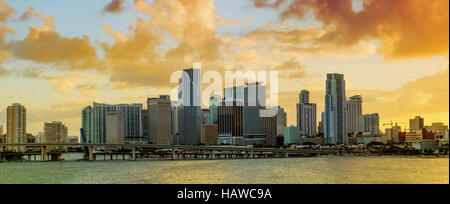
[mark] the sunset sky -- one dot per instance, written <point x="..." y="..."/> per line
<point x="57" y="57"/>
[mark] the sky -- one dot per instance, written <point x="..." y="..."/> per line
<point x="57" y="57"/>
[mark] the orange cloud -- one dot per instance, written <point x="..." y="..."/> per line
<point x="143" y="58"/>
<point x="44" y="45"/>
<point x="115" y="6"/>
<point x="404" y="28"/>
<point x="6" y="11"/>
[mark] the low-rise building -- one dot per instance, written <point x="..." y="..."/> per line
<point x="367" y="138"/>
<point x="291" y="135"/>
<point x="209" y="134"/>
<point x="413" y="137"/>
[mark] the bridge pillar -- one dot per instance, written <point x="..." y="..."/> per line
<point x="286" y="155"/>
<point x="174" y="154"/>
<point x="91" y="153"/>
<point x="134" y="153"/>
<point x="44" y="153"/>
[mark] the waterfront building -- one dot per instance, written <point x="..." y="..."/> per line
<point x="413" y="137"/>
<point x="214" y="102"/>
<point x="269" y="126"/>
<point x="204" y="116"/>
<point x="230" y="119"/>
<point x="73" y="140"/>
<point x="189" y="114"/>
<point x="115" y="127"/>
<point x="175" y="113"/>
<point x="291" y="135"/>
<point x="321" y="128"/>
<point x="334" y="116"/>
<point x="16" y="127"/>
<point x="367" y="138"/>
<point x="416" y="124"/>
<point x="160" y="121"/>
<point x="392" y="133"/>
<point x="281" y="121"/>
<point x="145" y="122"/>
<point x="306" y="115"/>
<point x="209" y="134"/>
<point x="370" y="123"/>
<point x="55" y="133"/>
<point x="94" y="122"/>
<point x="439" y="127"/>
<point x="39" y="137"/>
<point x="354" y="113"/>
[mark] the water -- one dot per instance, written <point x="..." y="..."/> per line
<point x="319" y="170"/>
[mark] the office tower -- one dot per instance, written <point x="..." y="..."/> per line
<point x="281" y="121"/>
<point x="39" y="137"/>
<point x="189" y="116"/>
<point x="268" y="127"/>
<point x="370" y="123"/>
<point x="16" y="127"/>
<point x="254" y="96"/>
<point x="87" y="123"/>
<point x="55" y="133"/>
<point x="204" y="116"/>
<point x="115" y="127"/>
<point x="304" y="97"/>
<point x="334" y="117"/>
<point x="416" y="124"/>
<point x="209" y="134"/>
<point x="291" y="135"/>
<point x="231" y="126"/>
<point x="145" y="130"/>
<point x="392" y="134"/>
<point x="306" y="115"/>
<point x="94" y="122"/>
<point x="175" y="113"/>
<point x="354" y="113"/>
<point x="321" y="127"/>
<point x="213" y="104"/>
<point x="439" y="128"/>
<point x="160" y="121"/>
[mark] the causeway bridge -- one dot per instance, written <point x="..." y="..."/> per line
<point x="173" y="152"/>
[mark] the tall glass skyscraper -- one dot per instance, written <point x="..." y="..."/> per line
<point x="189" y="114"/>
<point x="334" y="117"/>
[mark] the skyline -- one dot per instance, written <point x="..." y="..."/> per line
<point x="399" y="84"/>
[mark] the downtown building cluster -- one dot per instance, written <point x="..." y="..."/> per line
<point x="241" y="118"/>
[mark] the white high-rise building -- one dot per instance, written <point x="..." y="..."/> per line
<point x="16" y="131"/>
<point x="115" y="127"/>
<point x="334" y="117"/>
<point x="354" y="113"/>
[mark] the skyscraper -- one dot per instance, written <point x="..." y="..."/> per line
<point x="306" y="115"/>
<point x="115" y="127"/>
<point x="334" y="117"/>
<point x="304" y="97"/>
<point x="189" y="115"/>
<point x="354" y="113"/>
<point x="231" y="125"/>
<point x="160" y="121"/>
<point x="370" y="123"/>
<point x="55" y="133"/>
<point x="94" y="122"/>
<point x="213" y="104"/>
<point x="16" y="126"/>
<point x="416" y="124"/>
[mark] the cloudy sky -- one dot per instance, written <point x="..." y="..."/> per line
<point x="58" y="56"/>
